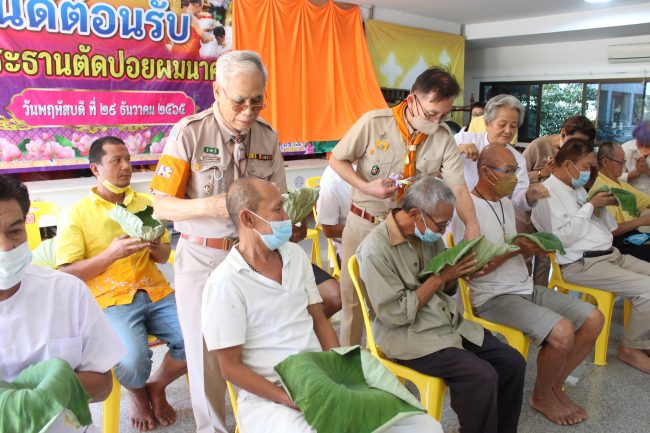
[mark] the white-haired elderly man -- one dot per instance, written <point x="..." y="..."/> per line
<point x="418" y="324"/>
<point x="503" y="116"/>
<point x="205" y="153"/>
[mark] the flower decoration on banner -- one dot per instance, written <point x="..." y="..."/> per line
<point x="158" y="146"/>
<point x="82" y="143"/>
<point x="9" y="151"/>
<point x="47" y="147"/>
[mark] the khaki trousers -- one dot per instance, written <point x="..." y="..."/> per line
<point x="355" y="231"/>
<point x="625" y="276"/>
<point x="192" y="266"/>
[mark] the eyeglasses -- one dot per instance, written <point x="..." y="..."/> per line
<point x="505" y="170"/>
<point x="616" y="160"/>
<point x="435" y="116"/>
<point x="238" y="107"/>
<point x="441" y="226"/>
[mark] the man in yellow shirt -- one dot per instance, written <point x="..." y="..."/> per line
<point x="122" y="275"/>
<point x="611" y="161"/>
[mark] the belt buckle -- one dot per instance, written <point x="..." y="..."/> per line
<point x="228" y="243"/>
<point x="379" y="219"/>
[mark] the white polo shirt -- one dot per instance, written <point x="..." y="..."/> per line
<point x="334" y="201"/>
<point x="642" y="182"/>
<point x="270" y="320"/>
<point x="567" y="215"/>
<point x="480" y="140"/>
<point x="512" y="276"/>
<point x="54" y="315"/>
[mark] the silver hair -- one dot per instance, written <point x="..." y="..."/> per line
<point x="503" y="101"/>
<point x="426" y="193"/>
<point x="234" y="63"/>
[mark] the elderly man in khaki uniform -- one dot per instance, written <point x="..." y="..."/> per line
<point x="393" y="147"/>
<point x="204" y="154"/>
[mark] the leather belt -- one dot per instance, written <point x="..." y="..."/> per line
<point x="366" y="216"/>
<point x="217" y="243"/>
<point x="590" y="254"/>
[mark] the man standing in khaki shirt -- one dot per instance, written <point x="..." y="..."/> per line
<point x="408" y="140"/>
<point x="417" y="324"/>
<point x="204" y="154"/>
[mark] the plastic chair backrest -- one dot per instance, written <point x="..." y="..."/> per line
<point x="464" y="289"/>
<point x="233" y="402"/>
<point x="353" y="268"/>
<point x="313" y="182"/>
<point x="38" y="210"/>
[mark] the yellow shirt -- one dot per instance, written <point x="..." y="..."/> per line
<point x="642" y="199"/>
<point x="87" y="231"/>
<point x="477" y="124"/>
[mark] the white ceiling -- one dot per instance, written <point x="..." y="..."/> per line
<point x="480" y="11"/>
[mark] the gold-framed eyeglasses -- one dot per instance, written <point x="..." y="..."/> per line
<point x="238" y="107"/>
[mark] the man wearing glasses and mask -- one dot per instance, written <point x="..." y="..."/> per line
<point x="393" y="147"/>
<point x="204" y="154"/>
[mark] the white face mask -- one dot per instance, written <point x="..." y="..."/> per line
<point x="13" y="265"/>
<point x="425" y="126"/>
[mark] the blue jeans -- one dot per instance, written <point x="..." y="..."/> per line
<point x="132" y="323"/>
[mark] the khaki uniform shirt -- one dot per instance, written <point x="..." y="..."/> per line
<point x="199" y="161"/>
<point x="388" y="265"/>
<point x="375" y="142"/>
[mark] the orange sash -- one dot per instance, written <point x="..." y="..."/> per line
<point x="410" y="143"/>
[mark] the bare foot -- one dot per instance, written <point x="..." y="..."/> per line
<point x="140" y="413"/>
<point x="162" y="410"/>
<point x="637" y="358"/>
<point x="577" y="410"/>
<point x="552" y="409"/>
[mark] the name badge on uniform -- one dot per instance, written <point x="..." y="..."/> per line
<point x="211" y="150"/>
<point x="210" y="154"/>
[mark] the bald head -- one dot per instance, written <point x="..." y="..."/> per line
<point x="495" y="155"/>
<point x="247" y="193"/>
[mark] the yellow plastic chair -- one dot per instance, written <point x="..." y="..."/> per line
<point x="111" y="406"/>
<point x="233" y="402"/>
<point x="604" y="303"/>
<point x="314" y="234"/>
<point x="431" y="389"/>
<point x="38" y="210"/>
<point x="333" y="260"/>
<point x="516" y="339"/>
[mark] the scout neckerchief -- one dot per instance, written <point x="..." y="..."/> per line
<point x="410" y="143"/>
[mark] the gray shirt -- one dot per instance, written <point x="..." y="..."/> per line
<point x="388" y="265"/>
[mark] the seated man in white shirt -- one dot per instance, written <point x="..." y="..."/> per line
<point x="564" y="327"/>
<point x="585" y="229"/>
<point x="503" y="116"/>
<point x="46" y="314"/>
<point x="333" y="206"/>
<point x="260" y="306"/>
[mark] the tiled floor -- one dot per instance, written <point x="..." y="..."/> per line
<point x="616" y="397"/>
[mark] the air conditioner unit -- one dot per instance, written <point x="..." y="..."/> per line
<point x="629" y="53"/>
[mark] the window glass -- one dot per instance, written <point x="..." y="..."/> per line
<point x="620" y="108"/>
<point x="559" y="101"/>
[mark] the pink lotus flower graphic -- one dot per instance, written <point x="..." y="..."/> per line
<point x="9" y="151"/>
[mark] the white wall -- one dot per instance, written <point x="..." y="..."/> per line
<point x="555" y="61"/>
<point x="410" y="20"/>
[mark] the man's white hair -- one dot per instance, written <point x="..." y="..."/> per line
<point x="233" y="63"/>
<point x="502" y="101"/>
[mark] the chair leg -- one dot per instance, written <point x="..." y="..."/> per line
<point x="315" y="252"/>
<point x="627" y="306"/>
<point x="111" y="409"/>
<point x="605" y="303"/>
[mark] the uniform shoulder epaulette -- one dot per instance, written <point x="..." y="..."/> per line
<point x="382" y="112"/>
<point x="194" y="117"/>
<point x="263" y="122"/>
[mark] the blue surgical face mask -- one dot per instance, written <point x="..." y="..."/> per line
<point x="13" y="265"/>
<point x="582" y="179"/>
<point x="282" y="231"/>
<point x="429" y="235"/>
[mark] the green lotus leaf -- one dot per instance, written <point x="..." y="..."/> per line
<point x="299" y="202"/>
<point x="141" y="225"/>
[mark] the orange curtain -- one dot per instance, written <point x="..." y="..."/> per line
<point x="321" y="78"/>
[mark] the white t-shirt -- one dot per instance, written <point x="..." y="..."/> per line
<point x="641" y="182"/>
<point x="334" y="201"/>
<point x="54" y="315"/>
<point x="270" y="321"/>
<point x="512" y="276"/>
<point x="480" y="140"/>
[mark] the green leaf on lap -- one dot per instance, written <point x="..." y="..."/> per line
<point x="299" y="202"/>
<point x="546" y="241"/>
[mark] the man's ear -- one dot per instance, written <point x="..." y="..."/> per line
<point x="94" y="169"/>
<point x="245" y="219"/>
